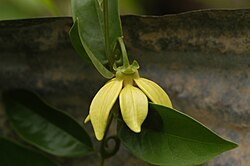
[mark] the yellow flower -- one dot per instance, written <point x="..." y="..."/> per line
<point x="133" y="92"/>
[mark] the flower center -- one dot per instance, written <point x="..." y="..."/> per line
<point x="128" y="79"/>
<point x="127" y="75"/>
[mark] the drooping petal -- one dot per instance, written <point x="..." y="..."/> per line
<point x="101" y="106"/>
<point x="154" y="92"/>
<point x="134" y="107"/>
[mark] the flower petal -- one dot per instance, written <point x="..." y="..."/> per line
<point x="154" y="92"/>
<point x="134" y="107"/>
<point x="101" y="106"/>
<point x="87" y="119"/>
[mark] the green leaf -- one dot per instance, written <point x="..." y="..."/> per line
<point x="98" y="65"/>
<point x="115" y="28"/>
<point x="12" y="154"/>
<point x="91" y="29"/>
<point x="90" y="19"/>
<point x="76" y="41"/>
<point x="81" y="48"/>
<point x="44" y="126"/>
<point x="172" y="138"/>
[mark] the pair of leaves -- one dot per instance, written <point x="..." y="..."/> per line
<point x="172" y="138"/>
<point x="45" y="127"/>
<point x="168" y="137"/>
<point x="88" y="32"/>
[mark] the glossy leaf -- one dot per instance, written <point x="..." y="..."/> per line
<point x="115" y="28"/>
<point x="98" y="65"/>
<point x="90" y="18"/>
<point x="89" y="15"/>
<point x="76" y="41"/>
<point x="13" y="154"/>
<point x="88" y="22"/>
<point x="83" y="50"/>
<point x="172" y="138"/>
<point x="44" y="126"/>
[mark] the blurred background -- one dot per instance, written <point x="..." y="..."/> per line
<point x="16" y="9"/>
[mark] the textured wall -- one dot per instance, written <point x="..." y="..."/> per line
<point x="200" y="58"/>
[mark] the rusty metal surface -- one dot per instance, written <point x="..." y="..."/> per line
<point x="200" y="58"/>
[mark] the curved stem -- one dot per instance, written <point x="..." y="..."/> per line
<point x="107" y="152"/>
<point x="124" y="52"/>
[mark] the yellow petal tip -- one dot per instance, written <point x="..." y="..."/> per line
<point x="101" y="106"/>
<point x="137" y="130"/>
<point x="87" y="119"/>
<point x="99" y="138"/>
<point x="154" y="92"/>
<point x="134" y="107"/>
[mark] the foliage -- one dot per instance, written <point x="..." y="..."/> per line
<point x="148" y="126"/>
<point x="45" y="127"/>
<point x="171" y="138"/>
<point x="12" y="153"/>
